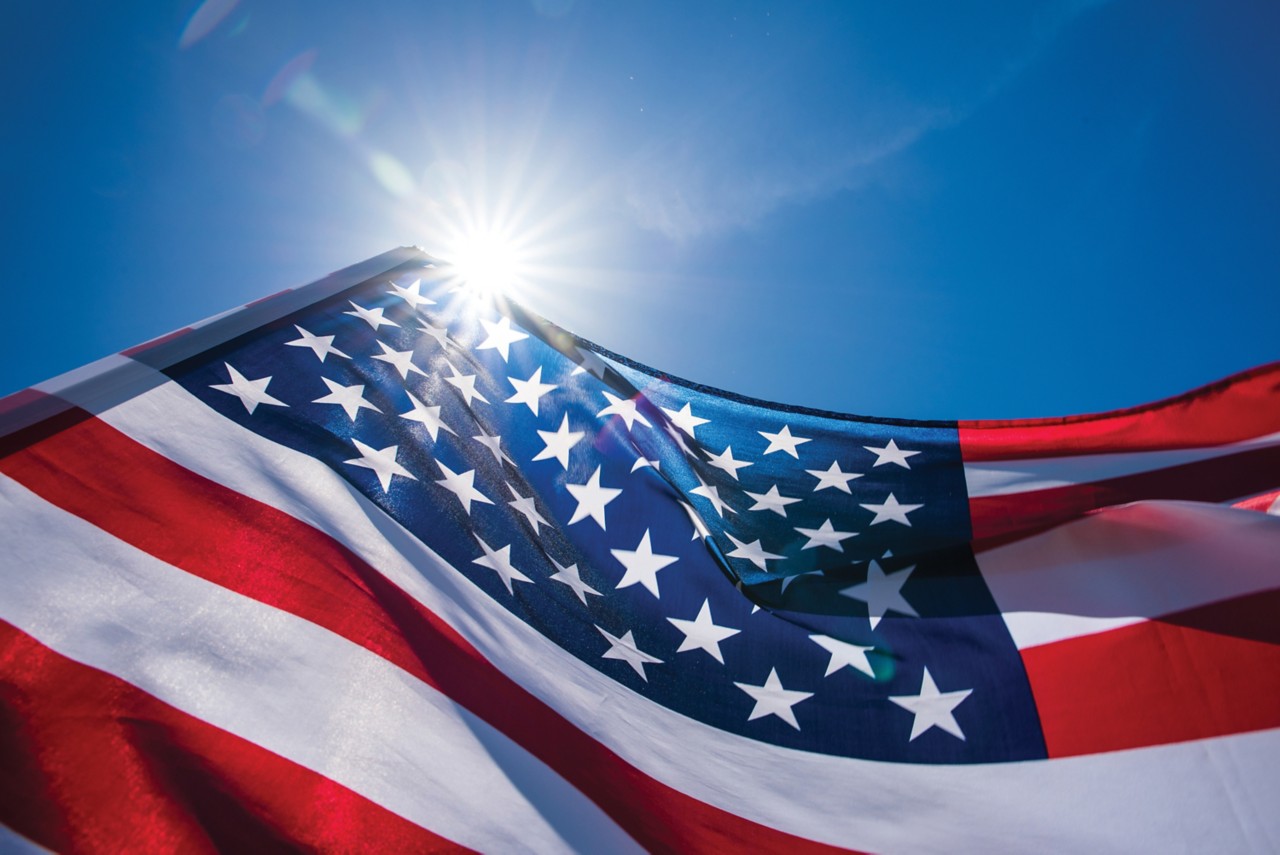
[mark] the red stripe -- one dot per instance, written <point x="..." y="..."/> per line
<point x="89" y="763"/>
<point x="997" y="518"/>
<point x="42" y="418"/>
<point x="20" y="400"/>
<point x="155" y="342"/>
<point x="1209" y="671"/>
<point x="267" y="298"/>
<point x="27" y="416"/>
<point x="1238" y="408"/>
<point x="99" y="474"/>
<point x="1261" y="503"/>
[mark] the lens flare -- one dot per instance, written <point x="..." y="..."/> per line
<point x="205" y="20"/>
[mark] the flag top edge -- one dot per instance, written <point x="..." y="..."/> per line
<point x="174" y="346"/>
<point x="534" y="319"/>
<point x="116" y="376"/>
<point x="1201" y="391"/>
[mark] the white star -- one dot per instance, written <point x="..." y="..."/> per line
<point x="464" y="383"/>
<point x="646" y="463"/>
<point x="685" y="419"/>
<point x="401" y="359"/>
<point x="932" y="708"/>
<point x="570" y="576"/>
<point x="350" y="398"/>
<point x="882" y="592"/>
<point x="711" y="494"/>
<point x="624" y="408"/>
<point x="773" y="699"/>
<point x="411" y="295"/>
<point x="724" y="460"/>
<point x="752" y="551"/>
<point x="787" y="580"/>
<point x="825" y="535"/>
<point x="382" y="462"/>
<point x="588" y="361"/>
<point x="440" y="334"/>
<point x="501" y="336"/>
<point x="493" y="442"/>
<point x="625" y="650"/>
<point x="771" y="501"/>
<point x="701" y="633"/>
<point x="591" y="499"/>
<point x="530" y="391"/>
<point x="559" y="442"/>
<point x="250" y="392"/>
<point x="321" y="345"/>
<point x="371" y="316"/>
<point x="833" y="477"/>
<point x="499" y="561"/>
<point x="783" y="441"/>
<point x="429" y="417"/>
<point x="678" y="437"/>
<point x="843" y="653"/>
<point x="642" y="565"/>
<point x="891" y="510"/>
<point x="699" y="527"/>
<point x="528" y="507"/>
<point x="462" y="486"/>
<point x="891" y="454"/>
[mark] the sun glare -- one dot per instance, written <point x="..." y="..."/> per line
<point x="504" y="236"/>
<point x="487" y="263"/>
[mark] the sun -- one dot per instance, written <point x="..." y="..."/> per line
<point x="486" y="262"/>
<point x="505" y="240"/>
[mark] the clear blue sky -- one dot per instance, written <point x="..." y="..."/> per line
<point x="921" y="210"/>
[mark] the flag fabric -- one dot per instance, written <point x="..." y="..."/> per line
<point x="377" y="564"/>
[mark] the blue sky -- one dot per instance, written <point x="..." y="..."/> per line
<point x="940" y="210"/>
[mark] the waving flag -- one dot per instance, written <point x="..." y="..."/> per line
<point x="375" y="564"/>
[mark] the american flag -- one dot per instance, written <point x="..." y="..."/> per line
<point x="375" y="564"/>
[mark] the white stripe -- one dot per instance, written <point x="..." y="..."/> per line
<point x="98" y="372"/>
<point x="1002" y="477"/>
<point x="1153" y="798"/>
<point x="285" y="684"/>
<point x="102" y="384"/>
<point x="1128" y="563"/>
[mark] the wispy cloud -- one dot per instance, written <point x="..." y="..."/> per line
<point x="728" y="168"/>
<point x="693" y="190"/>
